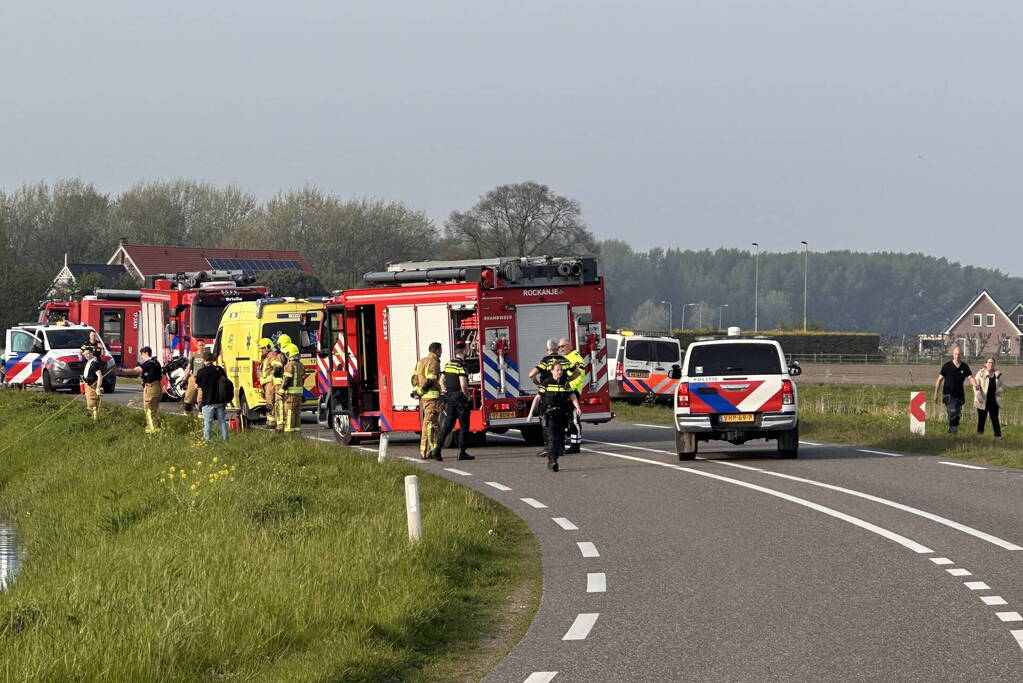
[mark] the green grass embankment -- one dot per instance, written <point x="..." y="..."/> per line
<point x="878" y="417"/>
<point x="283" y="559"/>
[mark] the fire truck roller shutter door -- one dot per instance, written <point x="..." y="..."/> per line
<point x="401" y="338"/>
<point x="534" y="325"/>
<point x="433" y="324"/>
<point x="152" y="333"/>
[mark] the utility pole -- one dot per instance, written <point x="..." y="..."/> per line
<point x="721" y="309"/>
<point x="669" y="314"/>
<point x="756" y="288"/>
<point x="806" y="263"/>
<point x="684" y="315"/>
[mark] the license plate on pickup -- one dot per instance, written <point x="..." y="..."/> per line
<point x="505" y="415"/>
<point x="638" y="374"/>
<point x="737" y="417"/>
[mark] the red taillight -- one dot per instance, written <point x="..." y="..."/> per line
<point x="619" y="373"/>
<point x="683" y="395"/>
<point x="788" y="398"/>
<point x="502" y="405"/>
<point x="592" y="401"/>
<point x="255" y="375"/>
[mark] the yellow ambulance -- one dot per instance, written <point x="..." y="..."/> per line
<point x="236" y="348"/>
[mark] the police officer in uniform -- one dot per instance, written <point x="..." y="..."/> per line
<point x="270" y="365"/>
<point x="152" y="388"/>
<point x="92" y="381"/>
<point x="283" y="341"/>
<point x="292" y="387"/>
<point x="540" y="375"/>
<point x="574" y="437"/>
<point x="455" y="399"/>
<point x="557" y="402"/>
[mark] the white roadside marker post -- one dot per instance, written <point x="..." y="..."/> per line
<point x="385" y="442"/>
<point x="415" y="519"/>
<point x="918" y="412"/>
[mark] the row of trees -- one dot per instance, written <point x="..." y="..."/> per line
<point x="896" y="294"/>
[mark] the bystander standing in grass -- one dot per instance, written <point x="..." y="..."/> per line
<point x="987" y="397"/>
<point x="953" y="375"/>
<point x="208" y="380"/>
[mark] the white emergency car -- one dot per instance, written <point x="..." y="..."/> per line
<point x="50" y="356"/>
<point x="736" y="389"/>
<point x="640" y="365"/>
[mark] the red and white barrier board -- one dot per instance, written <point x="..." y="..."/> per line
<point x="918" y="412"/>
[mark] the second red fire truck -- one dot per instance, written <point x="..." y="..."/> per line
<point x="504" y="309"/>
<point x="114" y="313"/>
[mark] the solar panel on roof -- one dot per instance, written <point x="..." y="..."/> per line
<point x="253" y="266"/>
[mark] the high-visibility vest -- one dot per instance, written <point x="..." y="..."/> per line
<point x="296" y="373"/>
<point x="576" y="359"/>
<point x="423" y="367"/>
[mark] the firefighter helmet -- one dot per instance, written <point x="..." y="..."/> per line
<point x="292" y="351"/>
<point x="283" y="341"/>
<point x="265" y="343"/>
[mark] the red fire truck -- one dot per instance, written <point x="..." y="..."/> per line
<point x="114" y="313"/>
<point x="186" y="306"/>
<point x="504" y="309"/>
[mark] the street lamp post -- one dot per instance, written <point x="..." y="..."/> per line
<point x="806" y="263"/>
<point x="669" y="314"/>
<point x="684" y="315"/>
<point x="756" y="288"/>
<point x="721" y="309"/>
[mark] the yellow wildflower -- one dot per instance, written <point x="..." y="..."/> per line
<point x="171" y="468"/>
<point x="214" y="458"/>
<point x="194" y="487"/>
<point x="232" y="468"/>
<point x="198" y="464"/>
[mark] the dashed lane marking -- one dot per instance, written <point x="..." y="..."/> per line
<point x="958" y="572"/>
<point x="976" y="533"/>
<point x="596" y="582"/>
<point x="959" y="464"/>
<point x="855" y="521"/>
<point x="993" y="600"/>
<point x="941" y="560"/>
<point x="499" y="486"/>
<point x="541" y="677"/>
<point x="565" y="524"/>
<point x="588" y="549"/>
<point x="810" y="443"/>
<point x="977" y="585"/>
<point x="461" y="472"/>
<point x="582" y="625"/>
<point x="867" y="450"/>
<point x="637" y="424"/>
<point x="533" y="502"/>
<point x="1018" y="635"/>
<point x="1009" y="616"/>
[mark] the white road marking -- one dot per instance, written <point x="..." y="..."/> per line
<point x="867" y="450"/>
<point x="580" y="628"/>
<point x="320" y="438"/>
<point x="637" y="424"/>
<point x="499" y="486"/>
<point x="993" y="600"/>
<point x="958" y="572"/>
<point x="855" y="521"/>
<point x="811" y="443"/>
<point x="533" y="502"/>
<point x="959" y="464"/>
<point x="1009" y="616"/>
<point x="541" y="677"/>
<point x="454" y="471"/>
<point x="629" y="445"/>
<point x="1018" y="635"/>
<point x="596" y="582"/>
<point x="941" y="560"/>
<point x="588" y="549"/>
<point x="977" y="585"/>
<point x="565" y="524"/>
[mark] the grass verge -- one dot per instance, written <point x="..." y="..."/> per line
<point x="878" y="417"/>
<point x="282" y="559"/>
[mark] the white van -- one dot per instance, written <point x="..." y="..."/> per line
<point x="50" y="356"/>
<point x="638" y="366"/>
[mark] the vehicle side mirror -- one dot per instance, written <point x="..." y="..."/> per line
<point x="38" y="348"/>
<point x="172" y="328"/>
<point x="794" y="369"/>
<point x="675" y="372"/>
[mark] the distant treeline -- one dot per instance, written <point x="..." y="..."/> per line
<point x="889" y="293"/>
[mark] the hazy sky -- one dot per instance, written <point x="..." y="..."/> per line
<point x="858" y="125"/>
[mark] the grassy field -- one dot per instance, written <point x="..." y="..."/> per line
<point x="878" y="416"/>
<point x="269" y="559"/>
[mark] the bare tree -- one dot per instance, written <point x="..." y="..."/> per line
<point x="522" y="219"/>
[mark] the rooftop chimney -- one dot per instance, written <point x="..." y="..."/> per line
<point x="124" y="241"/>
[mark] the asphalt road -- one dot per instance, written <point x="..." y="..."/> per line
<point x="843" y="564"/>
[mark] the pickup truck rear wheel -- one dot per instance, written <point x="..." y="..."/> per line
<point x="685" y="445"/>
<point x="788" y="443"/>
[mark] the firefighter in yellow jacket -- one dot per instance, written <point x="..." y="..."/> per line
<point x="427" y="390"/>
<point x="92" y="381"/>
<point x="282" y="342"/>
<point x="293" y="386"/>
<point x="270" y="365"/>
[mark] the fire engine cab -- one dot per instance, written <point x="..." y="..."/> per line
<point x="183" y="307"/>
<point x="504" y="309"/>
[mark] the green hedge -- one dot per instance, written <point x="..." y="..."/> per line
<point x="805" y="342"/>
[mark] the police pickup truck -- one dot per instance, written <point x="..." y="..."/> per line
<point x="736" y="389"/>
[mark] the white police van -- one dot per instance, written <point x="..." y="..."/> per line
<point x="50" y="356"/>
<point x="639" y="366"/>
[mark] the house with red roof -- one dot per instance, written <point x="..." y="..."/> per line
<point x="145" y="261"/>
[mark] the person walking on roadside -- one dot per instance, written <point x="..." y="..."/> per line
<point x="427" y="390"/>
<point x="209" y="382"/>
<point x="195" y="364"/>
<point x="455" y="399"/>
<point x="92" y="381"/>
<point x="953" y="375"/>
<point x="152" y="389"/>
<point x="539" y="375"/>
<point x="574" y="437"/>
<point x="987" y="397"/>
<point x="556" y="402"/>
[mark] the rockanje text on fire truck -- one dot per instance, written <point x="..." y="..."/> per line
<point x="542" y="292"/>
